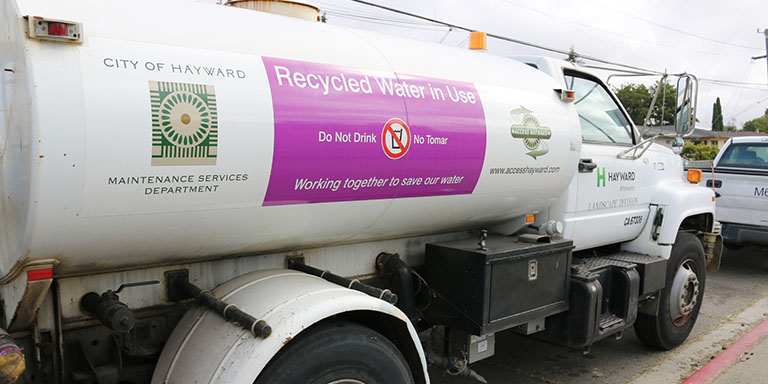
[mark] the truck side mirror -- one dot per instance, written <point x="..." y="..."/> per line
<point x="677" y="145"/>
<point x="685" y="112"/>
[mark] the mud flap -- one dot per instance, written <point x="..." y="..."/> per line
<point x="713" y="248"/>
<point x="713" y="264"/>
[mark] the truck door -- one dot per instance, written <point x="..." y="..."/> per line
<point x="613" y="194"/>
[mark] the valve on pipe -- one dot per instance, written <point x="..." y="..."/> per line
<point x="108" y="308"/>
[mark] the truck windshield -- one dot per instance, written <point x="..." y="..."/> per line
<point x="601" y="119"/>
<point x="746" y="155"/>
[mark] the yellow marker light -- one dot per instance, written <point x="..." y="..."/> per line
<point x="694" y="175"/>
<point x="530" y="218"/>
<point x="477" y="40"/>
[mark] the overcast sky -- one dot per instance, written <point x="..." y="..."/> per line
<point x="714" y="40"/>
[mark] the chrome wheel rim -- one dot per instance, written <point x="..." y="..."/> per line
<point x="684" y="294"/>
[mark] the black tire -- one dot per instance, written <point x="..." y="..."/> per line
<point x="662" y="331"/>
<point x="334" y="352"/>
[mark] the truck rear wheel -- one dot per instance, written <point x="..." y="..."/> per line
<point x="338" y="352"/>
<point x="680" y="299"/>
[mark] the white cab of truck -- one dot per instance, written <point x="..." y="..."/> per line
<point x="740" y="182"/>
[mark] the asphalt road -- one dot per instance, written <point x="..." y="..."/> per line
<point x="742" y="280"/>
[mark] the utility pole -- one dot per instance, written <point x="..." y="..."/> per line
<point x="765" y="32"/>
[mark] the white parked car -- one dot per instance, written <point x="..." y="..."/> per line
<point x="740" y="181"/>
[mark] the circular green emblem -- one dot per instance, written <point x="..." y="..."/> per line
<point x="529" y="121"/>
<point x="185" y="119"/>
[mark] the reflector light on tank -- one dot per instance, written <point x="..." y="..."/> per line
<point x="41" y="28"/>
<point x="57" y="29"/>
<point x="39" y="274"/>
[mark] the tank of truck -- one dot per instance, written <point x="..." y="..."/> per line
<point x="176" y="131"/>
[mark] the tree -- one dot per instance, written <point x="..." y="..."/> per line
<point x="667" y="96"/>
<point x="717" y="116"/>
<point x="759" y="124"/>
<point x="699" y="152"/>
<point x="637" y="98"/>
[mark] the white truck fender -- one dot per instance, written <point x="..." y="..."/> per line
<point x="205" y="348"/>
<point x="682" y="200"/>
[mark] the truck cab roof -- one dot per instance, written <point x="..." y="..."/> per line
<point x="749" y="139"/>
<point x="551" y="66"/>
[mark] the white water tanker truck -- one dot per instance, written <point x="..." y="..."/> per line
<point x="200" y="193"/>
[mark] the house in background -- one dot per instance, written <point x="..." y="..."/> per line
<point x="699" y="136"/>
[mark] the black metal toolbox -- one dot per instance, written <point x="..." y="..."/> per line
<point x="508" y="284"/>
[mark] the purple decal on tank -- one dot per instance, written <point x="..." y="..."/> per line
<point x="344" y="134"/>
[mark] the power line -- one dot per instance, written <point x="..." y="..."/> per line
<point x="575" y="25"/>
<point x="366" y="16"/>
<point x="504" y="38"/>
<point x="446" y="35"/>
<point x="741" y="91"/>
<point x="732" y="82"/>
<point x="677" y="30"/>
<point x="645" y="71"/>
<point x="751" y="106"/>
<point x="741" y="87"/>
<point x="383" y="22"/>
<point x="463" y="41"/>
<point x="737" y="86"/>
<point x="616" y="33"/>
<point x="337" y="7"/>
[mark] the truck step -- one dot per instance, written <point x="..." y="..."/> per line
<point x="634" y="258"/>
<point x="652" y="269"/>
<point x="588" y="266"/>
<point x="609" y="321"/>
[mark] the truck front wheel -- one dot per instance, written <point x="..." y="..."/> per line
<point x="338" y="352"/>
<point x="680" y="300"/>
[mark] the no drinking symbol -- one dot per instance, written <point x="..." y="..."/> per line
<point x="395" y="138"/>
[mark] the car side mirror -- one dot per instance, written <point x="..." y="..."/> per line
<point x="685" y="112"/>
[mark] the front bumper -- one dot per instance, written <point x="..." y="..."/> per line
<point x="740" y="234"/>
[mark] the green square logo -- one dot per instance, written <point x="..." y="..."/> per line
<point x="184" y="123"/>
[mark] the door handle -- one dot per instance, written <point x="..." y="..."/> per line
<point x="586" y="165"/>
